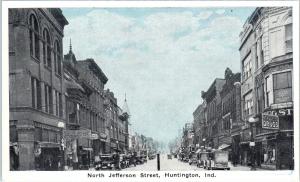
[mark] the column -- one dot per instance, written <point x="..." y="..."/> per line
<point x="25" y="130"/>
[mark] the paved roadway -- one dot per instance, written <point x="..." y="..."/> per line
<point x="165" y="165"/>
<point x="175" y="165"/>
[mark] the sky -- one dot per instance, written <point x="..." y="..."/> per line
<point x="162" y="58"/>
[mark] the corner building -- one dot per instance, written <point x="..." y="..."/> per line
<point x="267" y="57"/>
<point x="36" y="93"/>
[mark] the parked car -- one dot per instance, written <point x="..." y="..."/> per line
<point x="203" y="158"/>
<point x="139" y="160"/>
<point x="193" y="159"/>
<point x="124" y="161"/>
<point x="169" y="156"/>
<point x="151" y="156"/>
<point x="218" y="160"/>
<point x="106" y="162"/>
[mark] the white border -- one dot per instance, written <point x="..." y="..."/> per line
<point x="273" y="176"/>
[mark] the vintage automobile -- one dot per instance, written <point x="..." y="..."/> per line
<point x="124" y="161"/>
<point x="202" y="159"/>
<point x="193" y="159"/>
<point x="151" y="156"/>
<point x="139" y="159"/>
<point x="169" y="156"/>
<point x="218" y="159"/>
<point x="106" y="162"/>
<point x="144" y="158"/>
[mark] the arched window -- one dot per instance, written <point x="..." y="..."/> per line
<point x="46" y="48"/>
<point x="57" y="58"/>
<point x="34" y="37"/>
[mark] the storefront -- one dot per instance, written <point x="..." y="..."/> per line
<point x="48" y="156"/>
<point x="275" y="139"/>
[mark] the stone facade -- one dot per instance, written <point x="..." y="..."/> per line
<point x="37" y="102"/>
<point x="270" y="46"/>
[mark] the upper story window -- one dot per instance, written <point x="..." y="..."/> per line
<point x="289" y="37"/>
<point x="268" y="91"/>
<point x="57" y="58"/>
<point x="282" y="84"/>
<point x="46" y="48"/>
<point x="34" y="37"/>
<point x="248" y="104"/>
<point x="247" y="67"/>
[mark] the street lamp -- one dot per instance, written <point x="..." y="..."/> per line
<point x="252" y="121"/>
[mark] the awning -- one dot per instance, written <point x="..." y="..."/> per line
<point x="49" y="145"/>
<point x="70" y="84"/>
<point x="198" y="151"/>
<point x="223" y="146"/>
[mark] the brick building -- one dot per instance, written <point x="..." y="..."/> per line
<point x="214" y="112"/>
<point x="230" y="125"/>
<point x="117" y="124"/>
<point x="36" y="98"/>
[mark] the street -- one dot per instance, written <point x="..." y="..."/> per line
<point x="175" y="165"/>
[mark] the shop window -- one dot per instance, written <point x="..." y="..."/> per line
<point x="282" y="87"/>
<point x="34" y="37"/>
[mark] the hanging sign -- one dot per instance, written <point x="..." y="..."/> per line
<point x="270" y="121"/>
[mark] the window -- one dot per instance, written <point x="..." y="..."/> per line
<point x="277" y="42"/>
<point x="289" y="37"/>
<point x="268" y="92"/>
<point x="46" y="48"/>
<point x="50" y="100"/>
<point x="57" y="58"/>
<point x="36" y="93"/>
<point x="248" y="105"/>
<point x="247" y="67"/>
<point x="282" y="84"/>
<point x="34" y="37"/>
<point x="47" y="107"/>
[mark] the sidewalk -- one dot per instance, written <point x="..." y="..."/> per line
<point x="244" y="168"/>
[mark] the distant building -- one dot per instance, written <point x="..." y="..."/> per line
<point x="231" y="123"/>
<point x="214" y="110"/>
<point x="36" y="98"/>
<point x="117" y="123"/>
<point x="200" y="123"/>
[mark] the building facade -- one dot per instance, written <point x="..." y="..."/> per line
<point x="117" y="122"/>
<point x="230" y="126"/>
<point x="37" y="101"/>
<point x="267" y="44"/>
<point x="214" y="110"/>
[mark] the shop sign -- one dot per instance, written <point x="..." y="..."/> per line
<point x="270" y="121"/>
<point x="280" y="112"/>
<point x="94" y="136"/>
<point x="252" y="144"/>
<point x="74" y="134"/>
